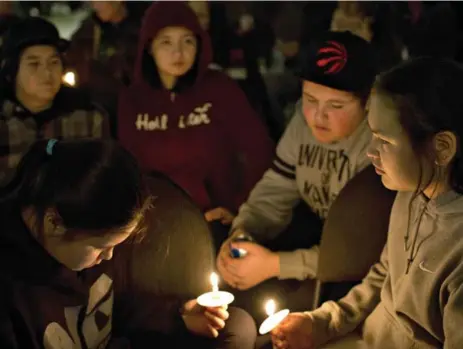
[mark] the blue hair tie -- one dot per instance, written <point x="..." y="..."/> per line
<point x="51" y="143"/>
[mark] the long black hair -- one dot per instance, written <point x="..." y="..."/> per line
<point x="91" y="184"/>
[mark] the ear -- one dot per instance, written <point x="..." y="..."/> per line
<point x="52" y="223"/>
<point x="445" y="145"/>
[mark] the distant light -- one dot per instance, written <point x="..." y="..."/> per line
<point x="34" y="12"/>
<point x="69" y="78"/>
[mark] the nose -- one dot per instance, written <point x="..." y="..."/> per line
<point x="107" y="254"/>
<point x="177" y="48"/>
<point x="320" y="114"/>
<point x="372" y="150"/>
<point x="46" y="72"/>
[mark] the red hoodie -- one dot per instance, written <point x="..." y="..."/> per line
<point x="206" y="136"/>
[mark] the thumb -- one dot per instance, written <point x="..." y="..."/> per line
<point x="285" y="324"/>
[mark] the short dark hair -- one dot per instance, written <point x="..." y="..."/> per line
<point x="427" y="94"/>
<point x="92" y="185"/>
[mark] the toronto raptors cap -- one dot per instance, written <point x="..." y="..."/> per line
<point x="340" y="60"/>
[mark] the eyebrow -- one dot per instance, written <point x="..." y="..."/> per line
<point x="330" y="100"/>
<point x="105" y="246"/>
<point x="169" y="36"/>
<point x="35" y="57"/>
<point x="376" y="131"/>
<point x="32" y="57"/>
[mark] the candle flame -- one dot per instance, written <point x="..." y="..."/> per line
<point x="270" y="307"/>
<point x="214" y="281"/>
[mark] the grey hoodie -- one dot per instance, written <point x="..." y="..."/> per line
<point x="420" y="309"/>
<point x="303" y="169"/>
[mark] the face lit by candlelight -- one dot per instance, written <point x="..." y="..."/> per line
<point x="270" y="307"/>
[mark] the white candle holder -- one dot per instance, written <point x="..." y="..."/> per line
<point x="215" y="299"/>
<point x="273" y="321"/>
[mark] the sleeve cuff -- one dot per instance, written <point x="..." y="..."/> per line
<point x="299" y="264"/>
<point x="322" y="319"/>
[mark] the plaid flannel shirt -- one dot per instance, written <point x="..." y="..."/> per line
<point x="19" y="129"/>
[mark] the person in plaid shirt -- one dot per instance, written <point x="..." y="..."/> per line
<point x="33" y="102"/>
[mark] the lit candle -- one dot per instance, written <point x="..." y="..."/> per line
<point x="215" y="298"/>
<point x="273" y="319"/>
<point x="270" y="307"/>
<point x="214" y="282"/>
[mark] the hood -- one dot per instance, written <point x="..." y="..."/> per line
<point x="165" y="14"/>
<point x="448" y="203"/>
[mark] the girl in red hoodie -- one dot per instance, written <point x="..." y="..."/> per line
<point x="191" y="123"/>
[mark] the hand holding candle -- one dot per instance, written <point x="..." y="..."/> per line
<point x="274" y="319"/>
<point x="215" y="298"/>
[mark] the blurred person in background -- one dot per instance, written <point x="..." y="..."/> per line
<point x="102" y="51"/>
<point x="34" y="104"/>
<point x="376" y="22"/>
<point x="236" y="50"/>
<point x="7" y="17"/>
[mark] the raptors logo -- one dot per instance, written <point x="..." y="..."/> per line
<point x="334" y="57"/>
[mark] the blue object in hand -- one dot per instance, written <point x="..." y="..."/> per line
<point x="240" y="252"/>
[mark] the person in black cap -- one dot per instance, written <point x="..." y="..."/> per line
<point x="323" y="147"/>
<point x="33" y="102"/>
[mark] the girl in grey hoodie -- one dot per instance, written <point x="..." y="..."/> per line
<point x="413" y="297"/>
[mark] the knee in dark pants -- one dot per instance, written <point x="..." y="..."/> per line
<point x="240" y="331"/>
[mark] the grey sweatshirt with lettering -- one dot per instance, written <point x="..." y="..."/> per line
<point x="421" y="309"/>
<point x="303" y="169"/>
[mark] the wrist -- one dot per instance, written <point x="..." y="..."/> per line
<point x="274" y="265"/>
<point x="238" y="231"/>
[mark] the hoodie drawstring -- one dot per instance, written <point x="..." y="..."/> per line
<point x="413" y="248"/>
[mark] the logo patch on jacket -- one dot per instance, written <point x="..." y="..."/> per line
<point x="95" y="329"/>
<point x="199" y="116"/>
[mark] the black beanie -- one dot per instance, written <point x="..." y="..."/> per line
<point x="27" y="32"/>
<point x="32" y="31"/>
<point x="340" y="60"/>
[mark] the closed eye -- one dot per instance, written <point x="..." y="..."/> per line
<point x="33" y="64"/>
<point x="382" y="140"/>
<point x="310" y="100"/>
